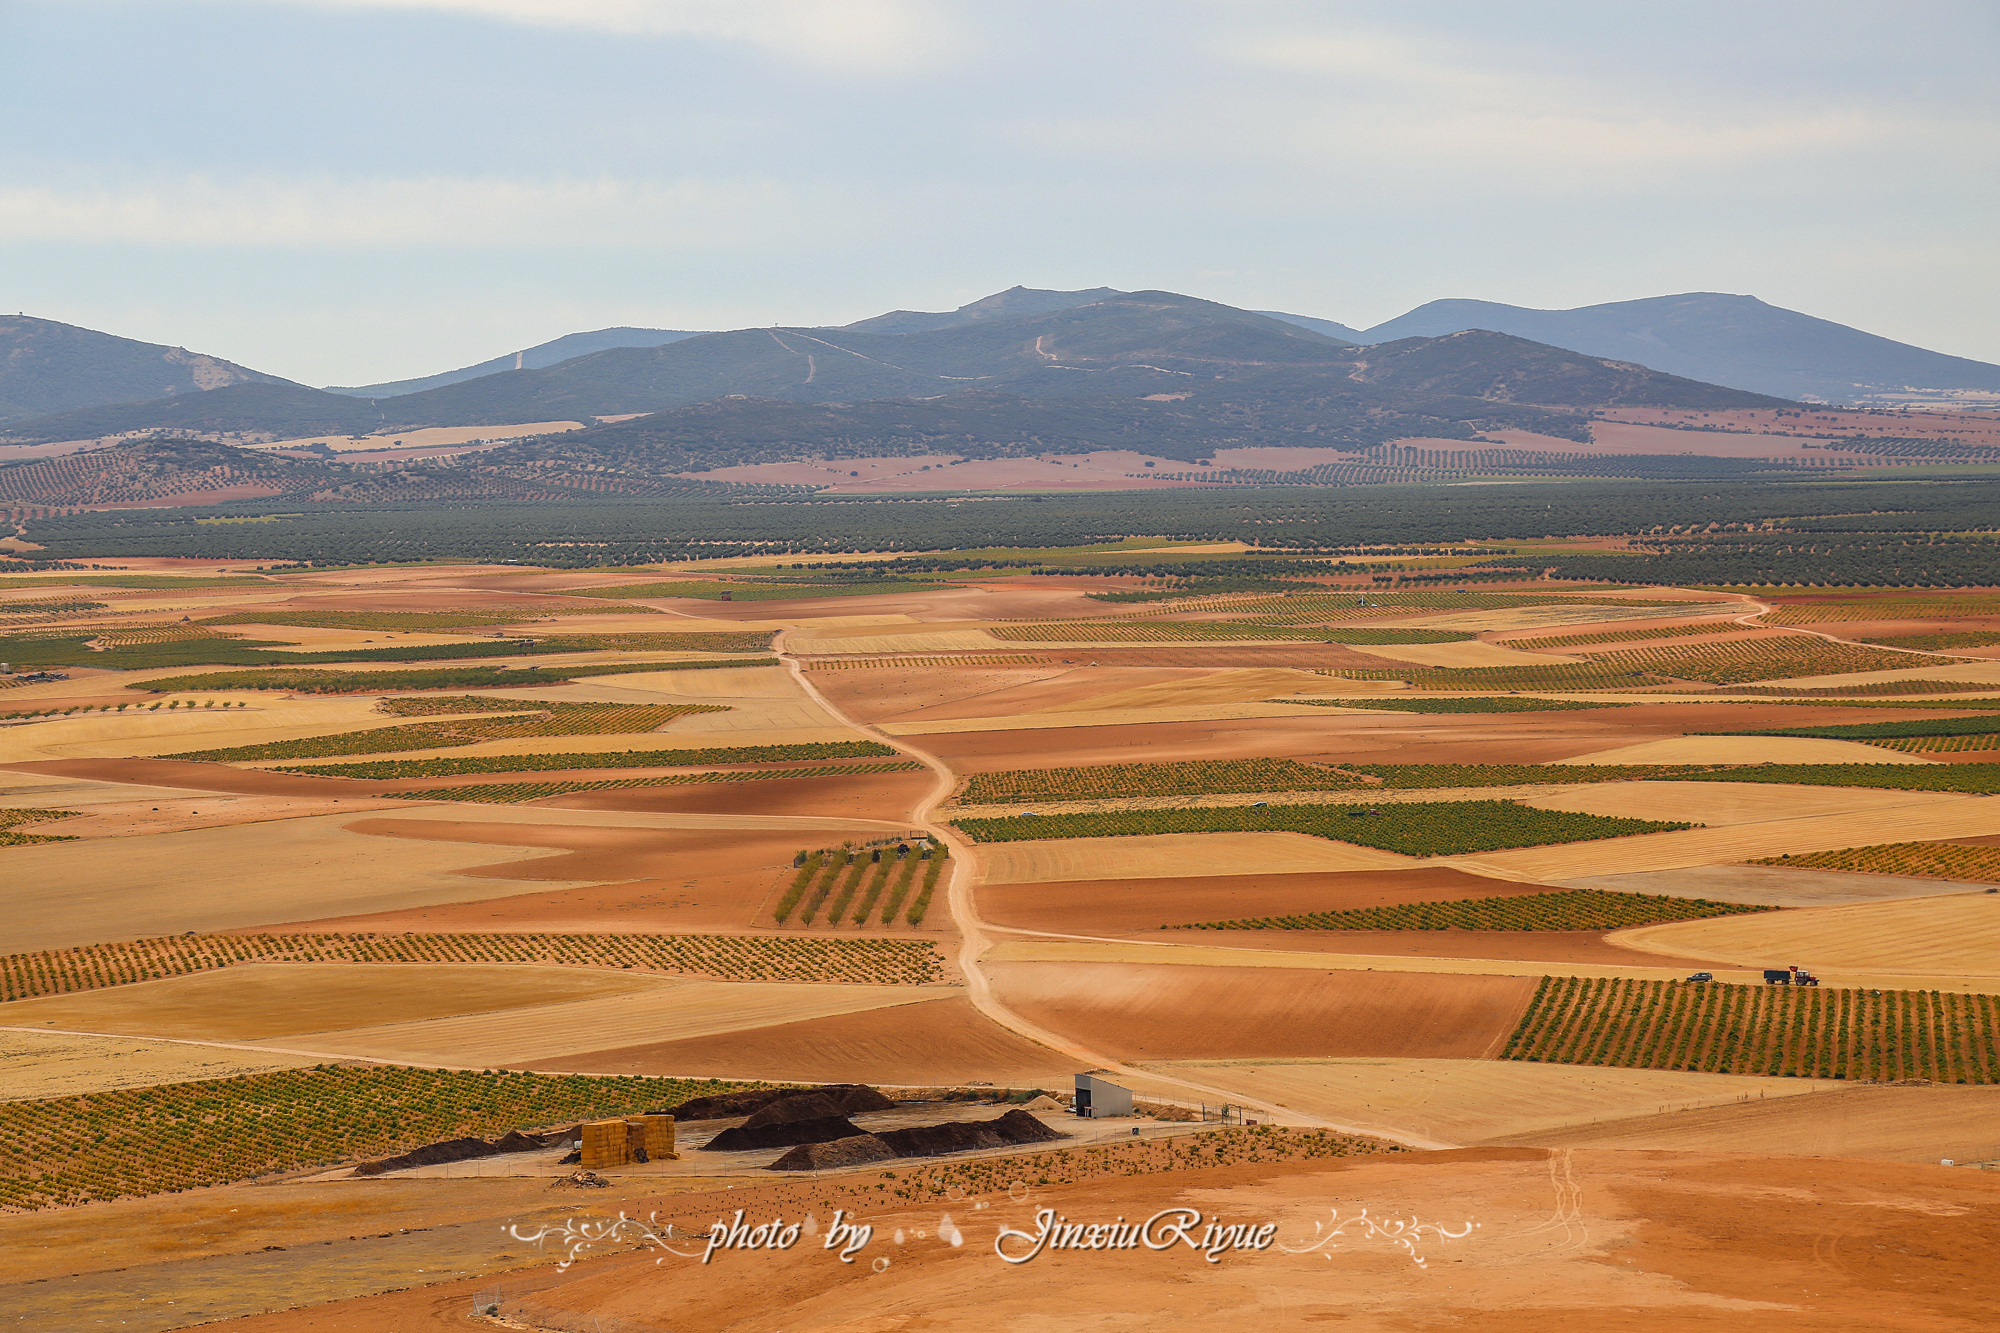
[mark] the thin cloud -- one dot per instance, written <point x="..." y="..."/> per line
<point x="860" y="35"/>
<point x="434" y="210"/>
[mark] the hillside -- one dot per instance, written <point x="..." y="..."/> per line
<point x="255" y="411"/>
<point x="1000" y="305"/>
<point x="1737" y="341"/>
<point x="538" y="357"/>
<point x="1152" y="371"/>
<point x="152" y="471"/>
<point x="1500" y="368"/>
<point x="47" y="367"/>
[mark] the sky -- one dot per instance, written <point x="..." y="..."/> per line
<point x="351" y="191"/>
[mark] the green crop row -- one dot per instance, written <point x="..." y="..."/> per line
<point x="1190" y="778"/>
<point x="1804" y="1032"/>
<point x="62" y="1151"/>
<point x="1428" y="828"/>
<point x="1868" y="731"/>
<point x="12" y="819"/>
<point x="511" y="793"/>
<point x="1573" y="909"/>
<point x="1934" y="860"/>
<point x="737" y="957"/>
<point x="831" y="879"/>
<point x="451" y="766"/>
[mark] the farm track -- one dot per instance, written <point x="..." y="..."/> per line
<point x="974" y="940"/>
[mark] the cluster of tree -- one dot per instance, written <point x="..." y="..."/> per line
<point x="1876" y="559"/>
<point x="1295" y="521"/>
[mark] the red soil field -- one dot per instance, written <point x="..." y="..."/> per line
<point x="932" y="1042"/>
<point x="1144" y="1011"/>
<point x="1121" y="906"/>
<point x="199" y="777"/>
<point x="665" y="880"/>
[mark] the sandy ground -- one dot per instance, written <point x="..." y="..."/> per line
<point x="1139" y="1013"/>
<point x="59" y="1064"/>
<point x="252" y="1002"/>
<point x="1718" y="804"/>
<point x="932" y="1042"/>
<point x="478" y="1015"/>
<point x="69" y="893"/>
<point x="1773" y="885"/>
<point x="1162" y="950"/>
<point x="1470" y="1101"/>
<point x="1917" y="1124"/>
<point x="1512" y="1241"/>
<point x="1958" y="934"/>
<point x="1737" y="842"/>
<point x="1174" y="855"/>
<point x="266" y="718"/>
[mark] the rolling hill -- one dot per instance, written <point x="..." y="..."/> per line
<point x="1156" y="370"/>
<point x="47" y="367"/>
<point x="1738" y="341"/>
<point x="538" y="357"/>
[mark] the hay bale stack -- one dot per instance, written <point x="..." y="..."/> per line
<point x="653" y="1134"/>
<point x="606" y="1143"/>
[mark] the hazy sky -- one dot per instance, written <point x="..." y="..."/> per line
<point x="343" y="191"/>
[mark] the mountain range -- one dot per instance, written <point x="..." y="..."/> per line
<point x="1023" y="370"/>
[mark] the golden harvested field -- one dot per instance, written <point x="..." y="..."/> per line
<point x="1746" y="750"/>
<point x="86" y="892"/>
<point x="1886" y="1123"/>
<point x="935" y="1041"/>
<point x="1717" y="804"/>
<point x="1919" y="818"/>
<point x="1955" y="934"/>
<point x="1195" y="689"/>
<point x="676" y="1008"/>
<point x="1470" y="654"/>
<point x="57" y="1064"/>
<point x="1472" y="1101"/>
<point x="918" y="640"/>
<point x="265" y="719"/>
<point x="262" y="1002"/>
<point x="1170" y="855"/>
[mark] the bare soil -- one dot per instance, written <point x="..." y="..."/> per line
<point x="936" y="1042"/>
<point x="1140" y="1012"/>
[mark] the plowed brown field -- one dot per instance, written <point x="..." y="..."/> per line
<point x="1135" y="1011"/>
<point x="933" y="1042"/>
<point x="867" y="796"/>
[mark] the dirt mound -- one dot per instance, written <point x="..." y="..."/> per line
<point x="787" y="1110"/>
<point x="729" y="1105"/>
<point x="1015" y="1127"/>
<point x="857" y="1151"/>
<point x="823" y="1130"/>
<point x="762" y="1104"/>
<point x="465" y="1150"/>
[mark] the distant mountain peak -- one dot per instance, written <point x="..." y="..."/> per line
<point x="1014" y="301"/>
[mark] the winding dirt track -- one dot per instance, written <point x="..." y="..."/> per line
<point x="973" y="939"/>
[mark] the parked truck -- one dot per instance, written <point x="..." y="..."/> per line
<point x="1792" y="976"/>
